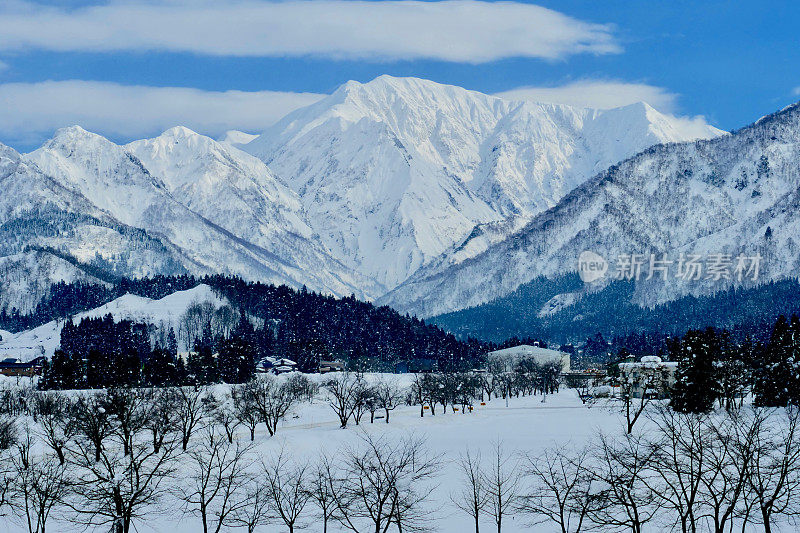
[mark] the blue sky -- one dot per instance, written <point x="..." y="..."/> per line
<point x="132" y="68"/>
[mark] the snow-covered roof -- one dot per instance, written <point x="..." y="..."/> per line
<point x="537" y="353"/>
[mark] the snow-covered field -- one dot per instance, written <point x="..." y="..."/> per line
<point x="527" y="424"/>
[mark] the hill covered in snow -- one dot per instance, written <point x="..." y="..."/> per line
<point x="167" y="311"/>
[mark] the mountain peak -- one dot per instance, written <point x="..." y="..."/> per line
<point x="74" y="133"/>
<point x="236" y="137"/>
<point x="179" y="132"/>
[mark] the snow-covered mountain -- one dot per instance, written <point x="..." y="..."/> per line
<point x="47" y="230"/>
<point x="737" y="194"/>
<point x="395" y="172"/>
<point x="352" y="194"/>
<point x="219" y="209"/>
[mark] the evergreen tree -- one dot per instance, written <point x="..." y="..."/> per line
<point x="63" y="373"/>
<point x="160" y="368"/>
<point x="236" y="360"/>
<point x="696" y="386"/>
<point x="777" y="382"/>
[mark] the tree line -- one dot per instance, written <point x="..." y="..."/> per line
<point x="712" y="369"/>
<point x="297" y="324"/>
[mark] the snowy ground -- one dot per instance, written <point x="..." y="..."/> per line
<point x="527" y="424"/>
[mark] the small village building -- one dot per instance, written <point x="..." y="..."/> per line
<point x="330" y="366"/>
<point x="13" y="367"/>
<point x="283" y="366"/>
<point x="650" y="376"/>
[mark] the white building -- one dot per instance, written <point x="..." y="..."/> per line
<point x="509" y="357"/>
<point x="650" y="375"/>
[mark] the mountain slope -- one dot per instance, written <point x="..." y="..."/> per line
<point x="239" y="193"/>
<point x="737" y="194"/>
<point x="165" y="313"/>
<point x="395" y="172"/>
<point x="118" y="183"/>
<point x="42" y="223"/>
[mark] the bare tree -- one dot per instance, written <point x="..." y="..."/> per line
<point x="343" y="391"/>
<point x="215" y="481"/>
<point x="388" y="396"/>
<point x="473" y="497"/>
<point x="221" y="412"/>
<point x="364" y="394"/>
<point x="420" y="392"/>
<point x="273" y="401"/>
<point x="8" y="438"/>
<point x="116" y="489"/>
<point x="245" y="408"/>
<point x="321" y="486"/>
<point x="36" y="489"/>
<point x="165" y="404"/>
<point x="633" y="406"/>
<point x="623" y="501"/>
<point x="582" y="386"/>
<point x="383" y="483"/>
<point x="8" y="432"/>
<point x="301" y="387"/>
<point x="254" y="510"/>
<point x="729" y="451"/>
<point x="190" y="413"/>
<point x="129" y="410"/>
<point x="774" y="479"/>
<point x="56" y="424"/>
<point x="92" y="422"/>
<point x="678" y="462"/>
<point x="287" y="488"/>
<point x="488" y="383"/>
<point x="560" y="489"/>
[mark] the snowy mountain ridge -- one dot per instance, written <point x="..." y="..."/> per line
<point x="736" y="194"/>
<point x="352" y="194"/>
<point x="396" y="171"/>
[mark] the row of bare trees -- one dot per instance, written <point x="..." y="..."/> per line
<point x="691" y="472"/>
<point x="374" y="485"/>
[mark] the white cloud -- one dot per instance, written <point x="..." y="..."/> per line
<point x="32" y="111"/>
<point x="607" y="94"/>
<point x="599" y="94"/>
<point x="3" y="66"/>
<point x="452" y="30"/>
<point x="796" y="91"/>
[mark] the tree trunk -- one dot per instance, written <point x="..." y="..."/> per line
<point x="765" y="518"/>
